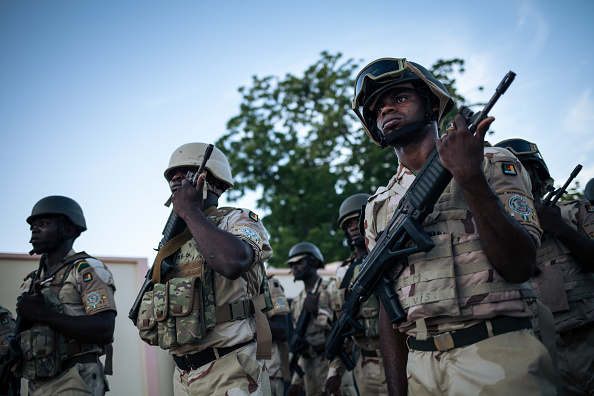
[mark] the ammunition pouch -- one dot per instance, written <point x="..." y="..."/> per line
<point x="41" y="357"/>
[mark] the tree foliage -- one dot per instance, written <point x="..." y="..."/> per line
<point x="297" y="141"/>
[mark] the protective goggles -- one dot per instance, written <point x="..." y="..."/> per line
<point x="520" y="147"/>
<point x="381" y="69"/>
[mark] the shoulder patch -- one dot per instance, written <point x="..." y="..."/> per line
<point x="82" y="265"/>
<point x="4" y="320"/>
<point x="253" y="216"/>
<point x="29" y="275"/>
<point x="87" y="277"/>
<point x="509" y="169"/>
<point x="589" y="208"/>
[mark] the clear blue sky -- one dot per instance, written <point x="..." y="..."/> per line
<point x="95" y="95"/>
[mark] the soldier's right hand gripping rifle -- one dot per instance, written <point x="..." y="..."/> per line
<point x="10" y="383"/>
<point x="174" y="227"/>
<point x="393" y="243"/>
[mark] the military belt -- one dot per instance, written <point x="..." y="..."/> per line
<point x="73" y="361"/>
<point x="199" y="359"/>
<point x="464" y="337"/>
<point x="371" y="353"/>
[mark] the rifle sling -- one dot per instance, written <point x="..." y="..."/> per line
<point x="170" y="247"/>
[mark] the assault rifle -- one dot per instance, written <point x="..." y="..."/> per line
<point x="175" y="226"/>
<point x="392" y="245"/>
<point x="553" y="196"/>
<point x="297" y="342"/>
<point x="10" y="384"/>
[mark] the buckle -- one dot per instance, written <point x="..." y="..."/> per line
<point x="444" y="342"/>
<point x="238" y="309"/>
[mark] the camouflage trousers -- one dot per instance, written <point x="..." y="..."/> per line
<point x="514" y="363"/>
<point x="277" y="386"/>
<point x="370" y="376"/>
<point x="81" y="380"/>
<point x="347" y="385"/>
<point x="575" y="354"/>
<point x="315" y="374"/>
<point x="237" y="373"/>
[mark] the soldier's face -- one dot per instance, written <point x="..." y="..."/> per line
<point x="397" y="108"/>
<point x="301" y="269"/>
<point x="351" y="228"/>
<point x="44" y="232"/>
<point x="177" y="175"/>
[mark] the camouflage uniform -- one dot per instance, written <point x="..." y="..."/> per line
<point x="83" y="286"/>
<point x="312" y="361"/>
<point x="369" y="369"/>
<point x="204" y="330"/>
<point x="454" y="289"/>
<point x="280" y="349"/>
<point x="7" y="324"/>
<point x="568" y="291"/>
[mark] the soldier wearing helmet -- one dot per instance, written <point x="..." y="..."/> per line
<point x="73" y="304"/>
<point x="565" y="280"/>
<point x="219" y="259"/>
<point x="369" y="368"/>
<point x="305" y="259"/>
<point x="470" y="295"/>
<point x="589" y="191"/>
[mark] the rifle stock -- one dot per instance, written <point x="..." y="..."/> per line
<point x="391" y="247"/>
<point x="174" y="226"/>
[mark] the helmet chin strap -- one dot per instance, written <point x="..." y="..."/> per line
<point x="416" y="127"/>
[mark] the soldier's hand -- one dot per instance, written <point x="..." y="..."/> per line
<point x="294" y="390"/>
<point x="188" y="199"/>
<point x="333" y="386"/>
<point x="32" y="307"/>
<point x="461" y="152"/>
<point x="310" y="304"/>
<point x="550" y="218"/>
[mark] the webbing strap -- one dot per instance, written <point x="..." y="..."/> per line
<point x="170" y="247"/>
<point x="108" y="359"/>
<point x="283" y="347"/>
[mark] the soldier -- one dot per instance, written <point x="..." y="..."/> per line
<point x="7" y="324"/>
<point x="73" y="303"/>
<point x="564" y="282"/>
<point x="209" y="308"/>
<point x="468" y="301"/>
<point x="369" y="370"/>
<point x="314" y="301"/>
<point x="278" y="365"/>
<point x="589" y="191"/>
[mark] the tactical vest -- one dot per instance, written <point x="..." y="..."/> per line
<point x="563" y="286"/>
<point x="182" y="309"/>
<point x="368" y="315"/>
<point x="455" y="282"/>
<point x="45" y="349"/>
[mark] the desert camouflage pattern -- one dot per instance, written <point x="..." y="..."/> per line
<point x="237" y="373"/>
<point x="280" y="307"/>
<point x="219" y="290"/>
<point x="454" y="285"/>
<point x="514" y="363"/>
<point x="568" y="291"/>
<point x="369" y="371"/>
<point x="82" y="379"/>
<point x="312" y="360"/>
<point x="563" y="286"/>
<point x="7" y="324"/>
<point x="83" y="287"/>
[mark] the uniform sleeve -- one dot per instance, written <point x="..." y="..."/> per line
<point x="97" y="286"/>
<point x="511" y="184"/>
<point x="247" y="226"/>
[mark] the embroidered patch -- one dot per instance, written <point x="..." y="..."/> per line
<point x="254" y="216"/>
<point x="589" y="208"/>
<point x="509" y="169"/>
<point x="87" y="277"/>
<point x="519" y="205"/>
<point x="5" y="320"/>
<point x="280" y="303"/>
<point x="249" y="233"/>
<point x="82" y="265"/>
<point x="96" y="300"/>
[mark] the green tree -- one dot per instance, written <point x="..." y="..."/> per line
<point x="297" y="141"/>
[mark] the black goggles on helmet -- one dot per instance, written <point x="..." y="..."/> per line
<point x="381" y="69"/>
<point x="520" y="148"/>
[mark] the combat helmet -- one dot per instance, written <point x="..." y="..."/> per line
<point x="59" y="205"/>
<point x="351" y="207"/>
<point x="191" y="155"/>
<point x="386" y="73"/>
<point x="528" y="152"/>
<point x="303" y="249"/>
<point x="589" y="191"/>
